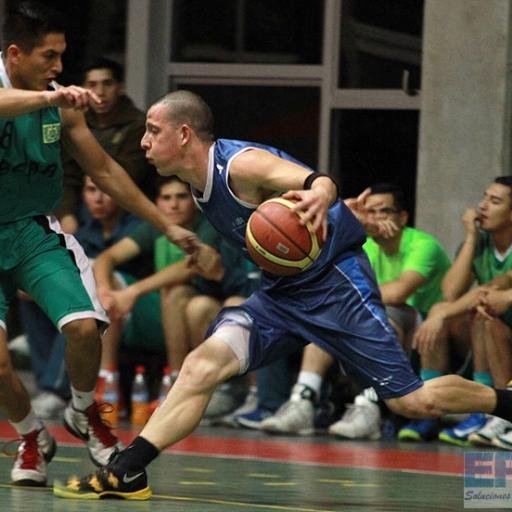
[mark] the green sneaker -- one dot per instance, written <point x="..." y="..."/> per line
<point x="419" y="430"/>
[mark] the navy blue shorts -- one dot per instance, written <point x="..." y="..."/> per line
<point x="340" y="312"/>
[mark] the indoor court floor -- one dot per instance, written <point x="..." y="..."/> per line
<point x="227" y="470"/>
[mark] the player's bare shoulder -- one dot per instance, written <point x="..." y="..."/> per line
<point x="254" y="162"/>
<point x="253" y="167"/>
<point x="245" y="176"/>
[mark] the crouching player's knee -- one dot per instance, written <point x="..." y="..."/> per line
<point x="199" y="372"/>
<point x="208" y="365"/>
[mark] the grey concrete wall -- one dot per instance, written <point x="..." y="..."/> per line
<point x="465" y="116"/>
<point x="147" y="48"/>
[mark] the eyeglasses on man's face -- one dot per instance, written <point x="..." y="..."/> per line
<point x="382" y="211"/>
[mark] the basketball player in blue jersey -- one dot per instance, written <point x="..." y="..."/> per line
<point x="35" y="255"/>
<point x="335" y="303"/>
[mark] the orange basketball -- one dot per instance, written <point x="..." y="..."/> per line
<point x="276" y="240"/>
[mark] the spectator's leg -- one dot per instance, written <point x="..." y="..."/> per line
<point x="200" y="312"/>
<point x="273" y="383"/>
<point x="297" y="414"/>
<point x="110" y="342"/>
<point x="478" y="342"/>
<point x="174" y="323"/>
<point x="499" y="351"/>
<point x="55" y="377"/>
<point x="40" y="336"/>
<point x="54" y="383"/>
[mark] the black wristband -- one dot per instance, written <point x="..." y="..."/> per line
<point x="503" y="407"/>
<point x="313" y="176"/>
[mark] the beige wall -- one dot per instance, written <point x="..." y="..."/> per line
<point x="465" y="110"/>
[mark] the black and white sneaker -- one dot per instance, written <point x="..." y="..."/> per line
<point x="89" y="426"/>
<point x="110" y="481"/>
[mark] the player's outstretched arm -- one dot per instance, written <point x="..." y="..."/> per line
<point x="15" y="102"/>
<point x="112" y="179"/>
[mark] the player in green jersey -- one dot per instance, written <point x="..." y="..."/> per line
<point x="35" y="256"/>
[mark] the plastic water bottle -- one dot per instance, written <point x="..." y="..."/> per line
<point x="166" y="384"/>
<point x="140" y="398"/>
<point x="110" y="412"/>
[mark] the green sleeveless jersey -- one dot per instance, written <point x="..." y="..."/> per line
<point x="486" y="265"/>
<point x="30" y="164"/>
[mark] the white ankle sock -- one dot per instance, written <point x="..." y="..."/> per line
<point x="311" y="380"/>
<point x="82" y="399"/>
<point x="106" y="373"/>
<point x="370" y="395"/>
<point x="29" y="423"/>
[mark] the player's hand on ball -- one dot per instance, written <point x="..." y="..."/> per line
<point x="314" y="203"/>
<point x="279" y="240"/>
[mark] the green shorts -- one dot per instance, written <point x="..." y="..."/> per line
<point x="38" y="258"/>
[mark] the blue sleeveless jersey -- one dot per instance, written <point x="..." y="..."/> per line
<point x="229" y="215"/>
<point x="334" y="304"/>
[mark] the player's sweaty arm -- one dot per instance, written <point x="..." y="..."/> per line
<point x="257" y="175"/>
<point x="16" y="102"/>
